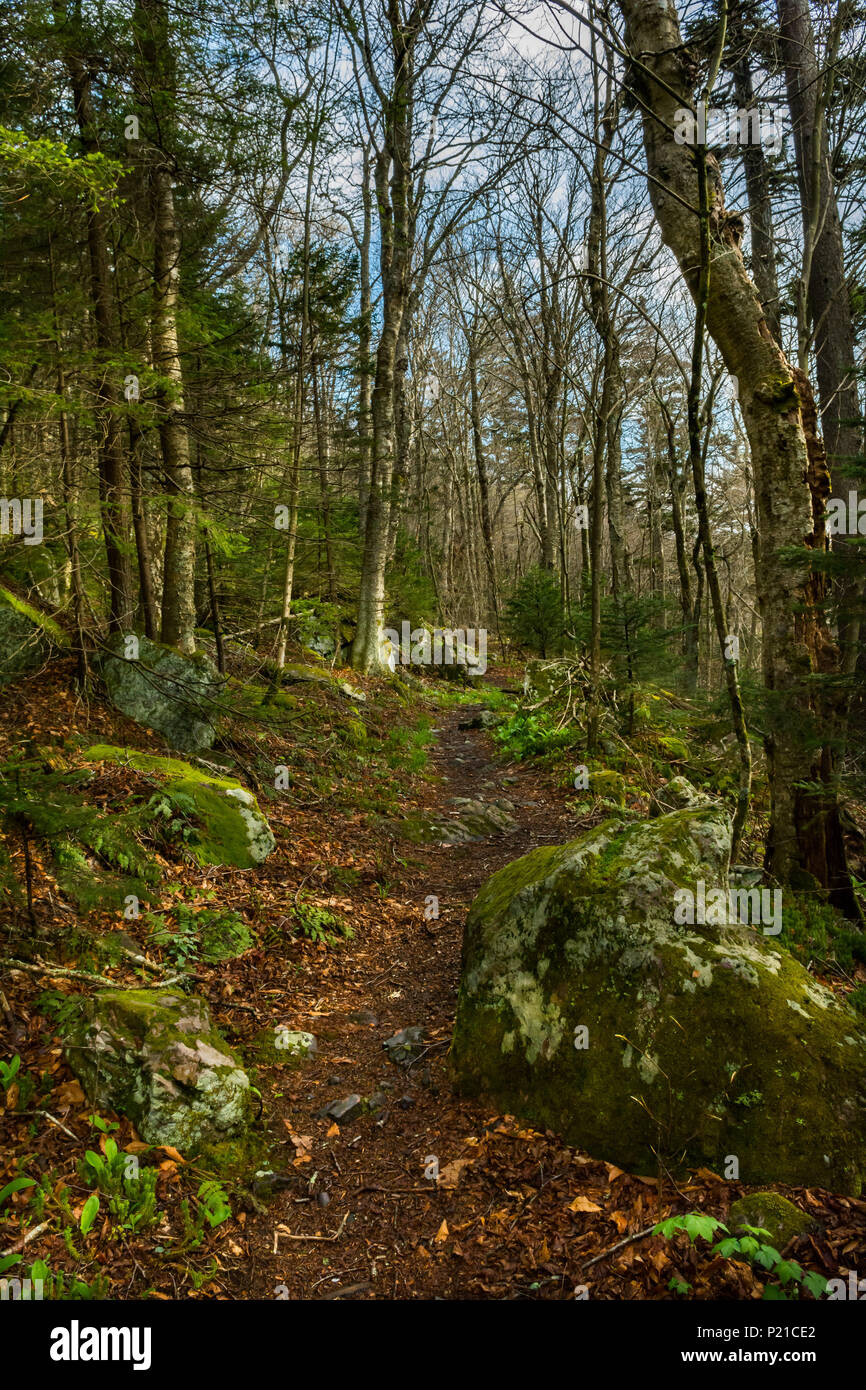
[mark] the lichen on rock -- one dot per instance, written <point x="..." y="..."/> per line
<point x="701" y="1042"/>
<point x="164" y="689"/>
<point x="156" y="1057"/>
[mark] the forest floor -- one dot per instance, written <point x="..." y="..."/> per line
<point x="513" y="1213"/>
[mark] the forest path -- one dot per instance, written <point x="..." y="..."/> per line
<point x="395" y="974"/>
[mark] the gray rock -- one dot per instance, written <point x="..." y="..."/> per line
<point x="485" y="720"/>
<point x="164" y="690"/>
<point x="345" y="1110"/>
<point x="745" y="875"/>
<point x="155" y="1057"/>
<point x="294" y="1044"/>
<point x="27" y="637"/>
<point x="475" y="820"/>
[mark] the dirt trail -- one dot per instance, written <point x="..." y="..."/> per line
<point x="372" y="1170"/>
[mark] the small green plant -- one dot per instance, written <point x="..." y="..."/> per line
<point x="65" y="1288"/>
<point x="318" y="925"/>
<point x="533" y="735"/>
<point x="214" y="1202"/>
<point x="12" y="1075"/>
<point x="535" y="612"/>
<point x="789" y="1276"/>
<point x="8" y="1072"/>
<point x="16" y="1185"/>
<point x="131" y="1190"/>
<point x="59" y="1008"/>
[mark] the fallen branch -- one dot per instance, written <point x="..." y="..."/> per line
<point x="25" y="1240"/>
<point x="287" y="1235"/>
<point x="629" y="1240"/>
<point x="48" y="1116"/>
<point x="63" y="972"/>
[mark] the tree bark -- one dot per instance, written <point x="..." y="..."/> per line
<point x="795" y="644"/>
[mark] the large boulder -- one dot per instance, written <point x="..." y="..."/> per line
<point x="155" y="1056"/>
<point x="587" y="1008"/>
<point x="163" y="689"/>
<point x="225" y="825"/>
<point x="27" y="637"/>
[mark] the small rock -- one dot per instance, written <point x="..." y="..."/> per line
<point x="775" y="1214"/>
<point x="334" y="1081"/>
<point x="363" y="1016"/>
<point x="343" y="1111"/>
<point x="745" y="875"/>
<point x="405" y="1046"/>
<point x="406" y="1102"/>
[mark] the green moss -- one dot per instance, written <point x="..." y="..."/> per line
<point x="773" y="1213"/>
<point x="610" y="786"/>
<point x="235" y="1159"/>
<point x="51" y="629"/>
<point x="693" y="1033"/>
<point x="232" y="829"/>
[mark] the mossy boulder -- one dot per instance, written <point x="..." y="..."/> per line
<point x="609" y="786"/>
<point x="772" y="1213"/>
<point x="156" y="1057"/>
<point x="27" y="637"/>
<point x="679" y="795"/>
<point x="543" y="679"/>
<point x="225" y="824"/>
<point x="584" y="1007"/>
<point x="165" y="690"/>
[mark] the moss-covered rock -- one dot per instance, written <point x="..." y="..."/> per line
<point x="155" y="1057"/>
<point x="165" y="690"/>
<point x="543" y="679"/>
<point x="679" y="795"/>
<point x="27" y="637"/>
<point x="280" y="1046"/>
<point x="772" y="1213"/>
<point x="609" y="786"/>
<point x="226" y="825"/>
<point x="585" y="1008"/>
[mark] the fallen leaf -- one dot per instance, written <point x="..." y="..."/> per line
<point x="303" y="1142"/>
<point x="583" y="1204"/>
<point x="613" y="1172"/>
<point x="70" y="1093"/>
<point x="449" y="1176"/>
<point x="442" y="1233"/>
<point x="333" y="1131"/>
<point x="708" y="1175"/>
<point x="172" y="1153"/>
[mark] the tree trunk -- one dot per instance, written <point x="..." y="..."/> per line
<point x="795" y="641"/>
